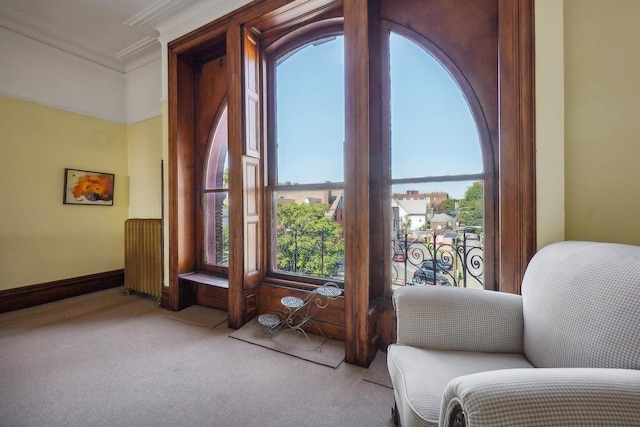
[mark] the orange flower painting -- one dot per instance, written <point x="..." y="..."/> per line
<point x="88" y="188"/>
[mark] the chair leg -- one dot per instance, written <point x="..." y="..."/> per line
<point x="395" y="417"/>
<point x="457" y="418"/>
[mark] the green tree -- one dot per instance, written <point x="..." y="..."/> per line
<point x="308" y="241"/>
<point x="471" y="207"/>
<point x="475" y="192"/>
<point x="446" y="206"/>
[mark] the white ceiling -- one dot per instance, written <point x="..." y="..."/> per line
<point x="112" y="33"/>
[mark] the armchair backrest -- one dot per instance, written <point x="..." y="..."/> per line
<point x="581" y="306"/>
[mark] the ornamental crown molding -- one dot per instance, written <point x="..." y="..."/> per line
<point x="157" y="12"/>
<point x="194" y="16"/>
<point x="59" y="44"/>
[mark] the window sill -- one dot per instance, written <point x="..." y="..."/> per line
<point x="294" y="284"/>
<point x="205" y="279"/>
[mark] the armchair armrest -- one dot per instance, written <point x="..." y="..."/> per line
<point x="551" y="396"/>
<point x="455" y="319"/>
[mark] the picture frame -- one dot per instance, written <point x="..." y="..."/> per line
<point x="83" y="187"/>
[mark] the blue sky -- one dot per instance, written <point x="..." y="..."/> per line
<point x="433" y="132"/>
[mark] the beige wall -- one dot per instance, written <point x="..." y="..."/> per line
<point x="42" y="240"/>
<point x="549" y="75"/>
<point x="588" y="102"/>
<point x="602" y="125"/>
<point x="145" y="154"/>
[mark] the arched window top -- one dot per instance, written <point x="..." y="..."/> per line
<point x="310" y="112"/>
<point x="217" y="155"/>
<point x="433" y="129"/>
<point x="215" y="195"/>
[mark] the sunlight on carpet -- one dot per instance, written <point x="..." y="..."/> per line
<point x="288" y="342"/>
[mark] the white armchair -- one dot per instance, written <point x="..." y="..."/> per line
<point x="566" y="352"/>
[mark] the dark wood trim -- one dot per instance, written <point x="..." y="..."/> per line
<point x="235" y="112"/>
<point x="356" y="200"/>
<point x="28" y="296"/>
<point x="165" y="300"/>
<point x="517" y="194"/>
<point x="513" y="174"/>
<point x="181" y="173"/>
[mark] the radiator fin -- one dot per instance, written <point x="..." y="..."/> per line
<point x="143" y="256"/>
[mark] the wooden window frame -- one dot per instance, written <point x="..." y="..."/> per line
<point x="215" y="268"/>
<point x="273" y="53"/>
<point x="515" y="236"/>
<point x="484" y="139"/>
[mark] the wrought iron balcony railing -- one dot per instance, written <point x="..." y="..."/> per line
<point x="427" y="258"/>
<point x="449" y="259"/>
<point x="311" y="254"/>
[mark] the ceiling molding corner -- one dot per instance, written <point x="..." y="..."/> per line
<point x="158" y="11"/>
<point x="56" y="43"/>
<point x="195" y="17"/>
<point x="143" y="59"/>
<point x="137" y="49"/>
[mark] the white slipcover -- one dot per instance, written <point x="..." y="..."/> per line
<point x="566" y="352"/>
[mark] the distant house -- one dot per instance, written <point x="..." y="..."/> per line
<point x="337" y="209"/>
<point x="448" y="238"/>
<point x="285" y="201"/>
<point x="308" y="197"/>
<point x="433" y="199"/>
<point x="442" y="221"/>
<point x="413" y="210"/>
<point x="418" y="212"/>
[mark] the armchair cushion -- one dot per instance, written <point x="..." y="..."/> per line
<point x="535" y="397"/>
<point x="420" y="376"/>
<point x="447" y="332"/>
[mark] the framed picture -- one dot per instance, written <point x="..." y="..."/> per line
<point x="88" y="188"/>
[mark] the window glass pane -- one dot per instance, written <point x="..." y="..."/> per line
<point x="433" y="131"/>
<point x="310" y="114"/>
<point x="216" y="206"/>
<point x="432" y="232"/>
<point x="309" y="235"/>
<point x="217" y="164"/>
<point x="217" y="228"/>
<point x="437" y="228"/>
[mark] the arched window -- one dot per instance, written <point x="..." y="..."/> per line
<point x="486" y="45"/>
<point x="215" y="196"/>
<point x="307" y="167"/>
<point x="436" y="174"/>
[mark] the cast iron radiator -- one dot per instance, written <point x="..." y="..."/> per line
<point x="143" y="256"/>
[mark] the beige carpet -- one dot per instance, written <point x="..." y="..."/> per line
<point x="288" y="342"/>
<point x="378" y="372"/>
<point x="108" y="360"/>
<point x="200" y="316"/>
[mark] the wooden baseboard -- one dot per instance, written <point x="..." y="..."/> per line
<point x="165" y="300"/>
<point x="28" y="296"/>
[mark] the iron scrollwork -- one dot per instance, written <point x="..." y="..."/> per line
<point x="446" y="259"/>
